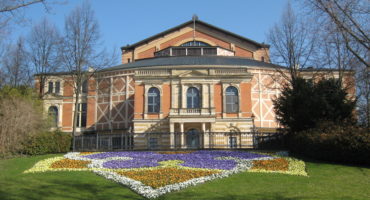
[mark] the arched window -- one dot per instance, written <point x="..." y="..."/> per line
<point x="53" y="114"/>
<point x="232" y="100"/>
<point x="193" y="98"/>
<point x="154" y="100"/>
<point x="195" y="44"/>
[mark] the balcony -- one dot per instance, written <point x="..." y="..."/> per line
<point x="194" y="51"/>
<point x="192" y="112"/>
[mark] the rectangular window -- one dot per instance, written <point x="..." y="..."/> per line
<point x="85" y="87"/>
<point x="209" y="51"/>
<point x="50" y="88"/>
<point x="57" y="87"/>
<point x="194" y="51"/>
<point x="153" y="103"/>
<point x="179" y="52"/>
<point x="153" y="143"/>
<point x="232" y="142"/>
<point x="231" y="104"/>
<point x="81" y="115"/>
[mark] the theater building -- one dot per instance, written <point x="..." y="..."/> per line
<point x="192" y="86"/>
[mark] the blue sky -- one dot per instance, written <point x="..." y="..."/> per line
<point x="128" y="21"/>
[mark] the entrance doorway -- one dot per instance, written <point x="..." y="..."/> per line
<point x="192" y="139"/>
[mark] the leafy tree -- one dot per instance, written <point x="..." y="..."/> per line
<point x="304" y="104"/>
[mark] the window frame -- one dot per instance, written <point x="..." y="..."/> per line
<point x="234" y="101"/>
<point x="50" y="87"/>
<point x="81" y="115"/>
<point x="156" y="101"/>
<point x="191" y="104"/>
<point x="85" y="87"/>
<point x="195" y="43"/>
<point x="55" y="113"/>
<point x="57" y="87"/>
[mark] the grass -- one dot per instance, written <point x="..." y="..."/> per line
<point x="326" y="181"/>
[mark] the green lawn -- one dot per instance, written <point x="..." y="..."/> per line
<point x="326" y="181"/>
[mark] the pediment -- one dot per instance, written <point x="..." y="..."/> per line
<point x="193" y="73"/>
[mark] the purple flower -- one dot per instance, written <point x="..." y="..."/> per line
<point x="198" y="159"/>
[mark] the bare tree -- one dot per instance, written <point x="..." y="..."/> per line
<point x="292" y="42"/>
<point x="80" y="51"/>
<point x="363" y="95"/>
<point x="43" y="43"/>
<point x="15" y="66"/>
<point x="12" y="5"/>
<point x="351" y="19"/>
<point x="12" y="12"/>
<point x="332" y="53"/>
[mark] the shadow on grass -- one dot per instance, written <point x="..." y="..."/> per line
<point x="54" y="188"/>
<point x="265" y="196"/>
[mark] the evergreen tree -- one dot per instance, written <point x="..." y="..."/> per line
<point x="305" y="104"/>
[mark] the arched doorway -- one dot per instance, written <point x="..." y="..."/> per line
<point x="192" y="138"/>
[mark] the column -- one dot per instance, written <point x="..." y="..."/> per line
<point x="174" y="95"/>
<point x="172" y="135"/>
<point x="183" y="96"/>
<point x="205" y="96"/>
<point x="182" y="139"/>
<point x="205" y="136"/>
<point x="211" y="98"/>
<point x="201" y="136"/>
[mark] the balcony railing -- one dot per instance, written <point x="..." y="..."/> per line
<point x="192" y="111"/>
<point x="162" y="72"/>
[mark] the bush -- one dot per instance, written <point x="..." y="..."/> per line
<point x="330" y="142"/>
<point x="20" y="114"/>
<point x="47" y="142"/>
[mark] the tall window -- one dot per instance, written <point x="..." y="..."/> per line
<point x="154" y="100"/>
<point x="53" y="114"/>
<point x="195" y="43"/>
<point x="232" y="100"/>
<point x="50" y="88"/>
<point x="57" y="87"/>
<point x="81" y="115"/>
<point x="84" y="86"/>
<point x="193" y="98"/>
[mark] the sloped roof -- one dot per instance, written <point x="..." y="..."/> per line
<point x="129" y="47"/>
<point x="192" y="60"/>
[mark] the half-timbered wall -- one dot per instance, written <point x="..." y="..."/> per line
<point x="115" y="101"/>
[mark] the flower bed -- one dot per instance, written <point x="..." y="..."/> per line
<point x="152" y="174"/>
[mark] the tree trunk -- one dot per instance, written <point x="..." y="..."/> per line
<point x="75" y="112"/>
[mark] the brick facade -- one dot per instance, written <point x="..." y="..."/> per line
<point x="117" y="99"/>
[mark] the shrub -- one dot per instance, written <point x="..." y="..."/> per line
<point x="330" y="142"/>
<point x="20" y="114"/>
<point x="47" y="142"/>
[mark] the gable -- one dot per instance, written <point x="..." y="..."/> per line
<point x="204" y="32"/>
<point x="198" y="24"/>
<point x="193" y="73"/>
